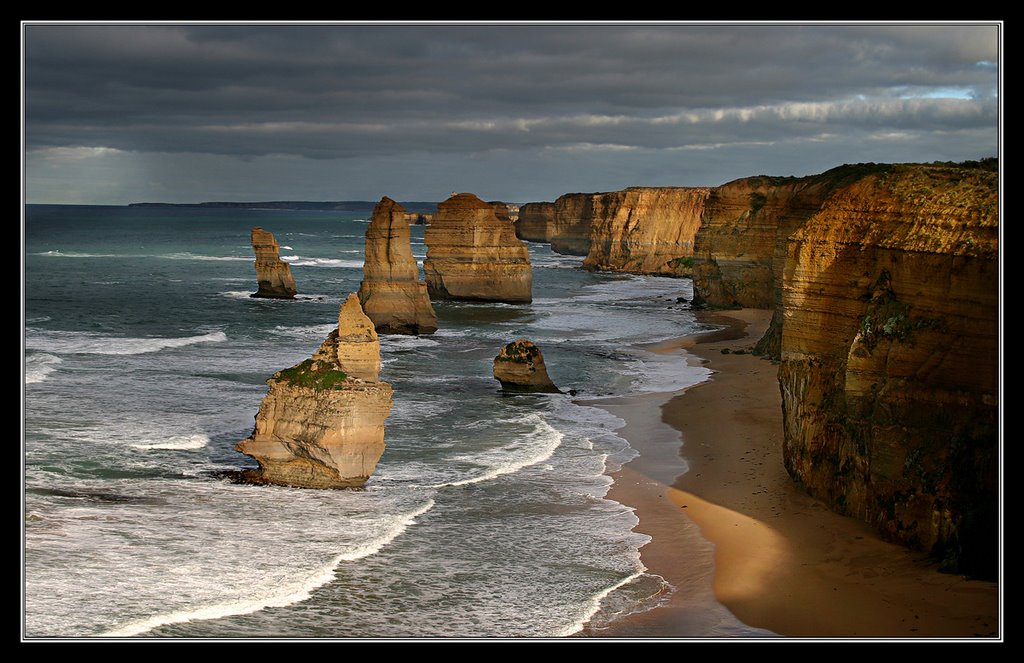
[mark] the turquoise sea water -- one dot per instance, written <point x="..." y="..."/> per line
<point x="145" y="361"/>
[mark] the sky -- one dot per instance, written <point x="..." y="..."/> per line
<point x="120" y="113"/>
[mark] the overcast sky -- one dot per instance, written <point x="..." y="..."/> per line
<point x="125" y="113"/>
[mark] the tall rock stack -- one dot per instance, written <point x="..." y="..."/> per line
<point x="472" y="255"/>
<point x="391" y="293"/>
<point x="273" y="274"/>
<point x="321" y="424"/>
<point x="890" y="361"/>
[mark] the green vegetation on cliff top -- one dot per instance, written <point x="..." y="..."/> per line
<point x="311" y="375"/>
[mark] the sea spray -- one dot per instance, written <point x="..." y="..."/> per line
<point x="287" y="593"/>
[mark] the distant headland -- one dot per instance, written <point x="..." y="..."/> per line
<point x="419" y="207"/>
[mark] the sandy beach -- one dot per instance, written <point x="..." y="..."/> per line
<point x="733" y="533"/>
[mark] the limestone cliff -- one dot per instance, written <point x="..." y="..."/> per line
<point x="535" y="222"/>
<point x="570" y="223"/>
<point x="417" y="218"/>
<point x="520" y="367"/>
<point x="734" y="248"/>
<point x="740" y="248"/>
<point x="273" y="274"/>
<point x="501" y="211"/>
<point x="391" y="293"/>
<point x="889" y="346"/>
<point x="321" y="424"/>
<point x="472" y="255"/>
<point x="645" y="230"/>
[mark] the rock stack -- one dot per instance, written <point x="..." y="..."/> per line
<point x="321" y="424"/>
<point x="520" y="367"/>
<point x="273" y="274"/>
<point x="391" y="293"/>
<point x="472" y="255"/>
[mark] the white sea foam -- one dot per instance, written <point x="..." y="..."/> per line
<point x="236" y="294"/>
<point x="513" y="457"/>
<point x="175" y="443"/>
<point x="71" y="342"/>
<point x="305" y="331"/>
<point x="556" y="261"/>
<point x="39" y="366"/>
<point x="192" y="256"/>
<point x="392" y="342"/>
<point x="287" y="593"/>
<point x="76" y="254"/>
<point x="303" y="261"/>
<point x="633" y="286"/>
<point x="665" y="373"/>
<point x="288" y="247"/>
<point x="41" y="318"/>
<point x="594" y="604"/>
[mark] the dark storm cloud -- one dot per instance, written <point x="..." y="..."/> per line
<point x="127" y="109"/>
<point x="325" y="91"/>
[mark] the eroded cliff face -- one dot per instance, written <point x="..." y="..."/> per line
<point x="473" y="255"/>
<point x="889" y="346"/>
<point x="735" y="246"/>
<point x="391" y="292"/>
<point x="740" y="248"/>
<point x="321" y="424"/>
<point x="501" y="211"/>
<point x="645" y="230"/>
<point x="571" y="217"/>
<point x="273" y="274"/>
<point x="535" y="222"/>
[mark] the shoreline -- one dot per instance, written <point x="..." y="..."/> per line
<point x="751" y="555"/>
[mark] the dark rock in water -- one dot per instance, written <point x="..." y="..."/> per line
<point x="726" y="351"/>
<point x="681" y="300"/>
<point x="520" y="367"/>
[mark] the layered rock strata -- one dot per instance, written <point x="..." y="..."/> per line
<point x="472" y="255"/>
<point x="321" y="424"/>
<point x="889" y="345"/>
<point x="571" y="217"/>
<point x="740" y="247"/>
<point x="520" y="367"/>
<point x="391" y="292"/>
<point x="273" y="274"/>
<point x="502" y="211"/>
<point x="645" y="230"/>
<point x="535" y="222"/>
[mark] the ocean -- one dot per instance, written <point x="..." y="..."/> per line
<point x="146" y="360"/>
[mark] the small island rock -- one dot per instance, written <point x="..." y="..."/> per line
<point x="520" y="367"/>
